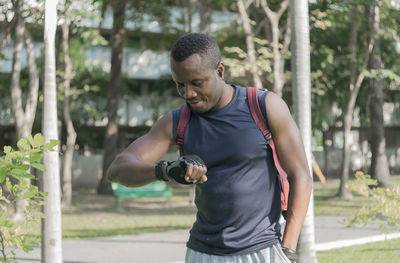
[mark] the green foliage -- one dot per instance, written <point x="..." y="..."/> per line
<point x="240" y="66"/>
<point x="15" y="167"/>
<point x="384" y="203"/>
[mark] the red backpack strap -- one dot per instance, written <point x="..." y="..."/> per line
<point x="260" y="121"/>
<point x="184" y="118"/>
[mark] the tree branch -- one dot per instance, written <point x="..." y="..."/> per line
<point x="7" y="35"/>
<point x="249" y="43"/>
<point x="260" y="26"/>
<point x="287" y="38"/>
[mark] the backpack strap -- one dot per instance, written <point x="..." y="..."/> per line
<point x="260" y="121"/>
<point x="184" y="117"/>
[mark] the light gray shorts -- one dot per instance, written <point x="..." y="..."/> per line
<point x="272" y="254"/>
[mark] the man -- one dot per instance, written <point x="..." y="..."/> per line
<point x="237" y="188"/>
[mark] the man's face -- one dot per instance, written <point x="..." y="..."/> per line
<point x="197" y="82"/>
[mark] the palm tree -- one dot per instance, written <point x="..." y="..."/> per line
<point x="302" y="93"/>
<point x="51" y="235"/>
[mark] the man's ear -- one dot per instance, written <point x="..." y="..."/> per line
<point x="220" y="69"/>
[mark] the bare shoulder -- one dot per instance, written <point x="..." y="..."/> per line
<point x="278" y="112"/>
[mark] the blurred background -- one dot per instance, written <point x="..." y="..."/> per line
<point x="254" y="37"/>
<point x="113" y="83"/>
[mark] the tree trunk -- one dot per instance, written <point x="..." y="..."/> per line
<point x="344" y="193"/>
<point x="16" y="92"/>
<point x="354" y="88"/>
<point x="111" y="136"/>
<point x="302" y="96"/>
<point x="278" y="66"/>
<point x="32" y="99"/>
<point x="52" y="233"/>
<point x="379" y="165"/>
<point x="71" y="134"/>
<point x="251" y="52"/>
<point x="205" y="16"/>
<point x="23" y="119"/>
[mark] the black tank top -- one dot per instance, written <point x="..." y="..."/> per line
<point x="239" y="205"/>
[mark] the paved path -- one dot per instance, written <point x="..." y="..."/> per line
<point x="169" y="247"/>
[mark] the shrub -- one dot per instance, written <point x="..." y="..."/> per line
<point x="17" y="164"/>
<point x="384" y="203"/>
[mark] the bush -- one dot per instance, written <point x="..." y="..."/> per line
<point x="17" y="164"/>
<point x="384" y="202"/>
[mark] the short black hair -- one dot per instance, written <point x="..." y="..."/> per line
<point x="196" y="43"/>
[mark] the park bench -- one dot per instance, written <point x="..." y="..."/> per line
<point x="150" y="190"/>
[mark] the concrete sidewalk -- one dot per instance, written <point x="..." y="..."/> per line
<point x="170" y="247"/>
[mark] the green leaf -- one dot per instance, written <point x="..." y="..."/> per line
<point x="30" y="138"/>
<point x="3" y="174"/>
<point x="49" y="146"/>
<point x="35" y="157"/>
<point x="22" y="143"/>
<point x="39" y="166"/>
<point x="7" y="149"/>
<point x="38" y="140"/>
<point x="7" y="223"/>
<point x="9" y="185"/>
<point x="29" y="194"/>
<point x="24" y="167"/>
<point x="18" y="173"/>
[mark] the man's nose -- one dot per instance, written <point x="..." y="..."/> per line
<point x="189" y="92"/>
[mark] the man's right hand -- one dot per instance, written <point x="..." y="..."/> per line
<point x="188" y="169"/>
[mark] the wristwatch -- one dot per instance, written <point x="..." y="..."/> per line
<point x="159" y="171"/>
<point x="290" y="254"/>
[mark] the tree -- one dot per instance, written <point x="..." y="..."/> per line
<point x="111" y="136"/>
<point x="277" y="33"/>
<point x="356" y="80"/>
<point x="51" y="229"/>
<point x="302" y="105"/>
<point x="379" y="165"/>
<point x="23" y="117"/>
<point x="249" y="44"/>
<point x="205" y="13"/>
<point x="71" y="134"/>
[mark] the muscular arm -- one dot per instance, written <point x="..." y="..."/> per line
<point x="135" y="165"/>
<point x="290" y="150"/>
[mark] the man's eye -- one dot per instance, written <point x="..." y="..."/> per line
<point x="198" y="83"/>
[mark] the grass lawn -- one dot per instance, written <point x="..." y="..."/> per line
<point x="92" y="215"/>
<point x="379" y="252"/>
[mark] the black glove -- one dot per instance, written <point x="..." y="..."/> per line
<point x="290" y="254"/>
<point x="176" y="170"/>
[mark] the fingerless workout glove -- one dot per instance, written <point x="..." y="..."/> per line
<point x="176" y="170"/>
<point x="290" y="254"/>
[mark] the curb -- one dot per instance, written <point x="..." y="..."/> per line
<point x="354" y="242"/>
